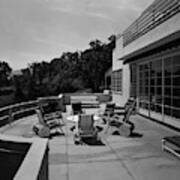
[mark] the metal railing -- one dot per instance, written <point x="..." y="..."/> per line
<point x="10" y="113"/>
<point x="155" y="14"/>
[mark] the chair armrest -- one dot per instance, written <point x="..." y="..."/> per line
<point x="53" y="115"/>
<point x="55" y="121"/>
<point x="119" y="107"/>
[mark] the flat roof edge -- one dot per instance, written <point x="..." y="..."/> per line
<point x="168" y="39"/>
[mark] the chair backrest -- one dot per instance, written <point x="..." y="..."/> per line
<point x="76" y="107"/>
<point x="130" y="103"/>
<point x="110" y="109"/>
<point x="40" y="117"/>
<point x="129" y="111"/>
<point x="86" y="122"/>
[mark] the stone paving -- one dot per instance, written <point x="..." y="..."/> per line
<point x="138" y="157"/>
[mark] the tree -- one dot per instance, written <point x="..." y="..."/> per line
<point x="96" y="61"/>
<point x="95" y="44"/>
<point x="112" y="41"/>
<point x="66" y="73"/>
<point x="72" y="71"/>
<point x="5" y="71"/>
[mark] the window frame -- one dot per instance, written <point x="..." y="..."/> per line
<point x="117" y="81"/>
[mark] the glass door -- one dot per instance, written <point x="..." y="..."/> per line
<point x="156" y="90"/>
<point x="172" y="89"/>
<point x="144" y="91"/>
<point x="158" y="84"/>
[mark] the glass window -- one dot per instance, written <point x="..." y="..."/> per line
<point x="141" y="68"/>
<point x="159" y="99"/>
<point x="117" y="80"/>
<point x="176" y="91"/>
<point x="167" y="81"/>
<point x="159" y="81"/>
<point x="140" y="75"/>
<point x="176" y="70"/>
<point x="159" y="91"/>
<point x="153" y="81"/>
<point x="153" y="68"/>
<point x="176" y="60"/>
<point x="176" y="113"/>
<point x="146" y="74"/>
<point x="167" y="91"/>
<point x="176" y="103"/>
<point x="152" y="90"/>
<point x="167" y="67"/>
<point x="168" y="62"/>
<point x="147" y="90"/>
<point x="146" y="105"/>
<point x="133" y="80"/>
<point x="167" y="111"/>
<point x="146" y="66"/>
<point x="159" y="73"/>
<point x="152" y="107"/>
<point x="159" y="108"/>
<point x="167" y="71"/>
<point x="176" y="80"/>
<point x="159" y="85"/>
<point x="167" y="101"/>
<point x="146" y="81"/>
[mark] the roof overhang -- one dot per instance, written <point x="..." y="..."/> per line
<point x="168" y="41"/>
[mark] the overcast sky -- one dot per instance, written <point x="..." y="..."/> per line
<point x="36" y="30"/>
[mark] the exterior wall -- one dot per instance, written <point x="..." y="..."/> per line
<point x="117" y="53"/>
<point x="170" y="26"/>
<point x="120" y="98"/>
<point x="164" y="30"/>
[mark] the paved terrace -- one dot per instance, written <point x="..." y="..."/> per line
<point x="136" y="158"/>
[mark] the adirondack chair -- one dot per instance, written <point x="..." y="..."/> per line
<point x="112" y="109"/>
<point x="51" y="110"/>
<point x="85" y="129"/>
<point x="122" y="110"/>
<point x="121" y="120"/>
<point x="109" y="111"/>
<point x="54" y="123"/>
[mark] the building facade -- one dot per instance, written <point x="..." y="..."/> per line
<point x="147" y="55"/>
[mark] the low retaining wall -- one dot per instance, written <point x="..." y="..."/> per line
<point x="11" y="113"/>
<point x="14" y="112"/>
<point x="90" y="97"/>
<point x="103" y="98"/>
<point x="30" y="158"/>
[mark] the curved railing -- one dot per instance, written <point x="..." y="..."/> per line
<point x="10" y="113"/>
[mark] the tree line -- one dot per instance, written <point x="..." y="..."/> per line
<point x="71" y="72"/>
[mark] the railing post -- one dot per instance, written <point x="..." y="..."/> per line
<point x="11" y="118"/>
